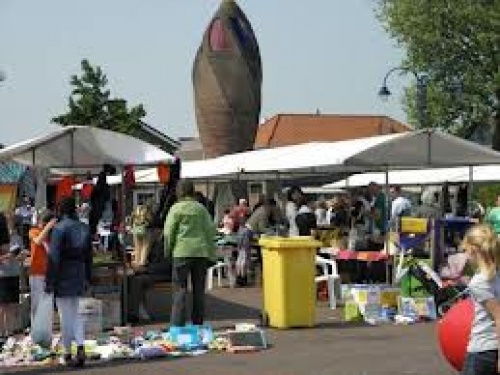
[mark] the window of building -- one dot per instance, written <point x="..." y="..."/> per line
<point x="256" y="188"/>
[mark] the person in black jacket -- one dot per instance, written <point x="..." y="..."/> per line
<point x="98" y="198"/>
<point x="69" y="275"/>
<point x="305" y="219"/>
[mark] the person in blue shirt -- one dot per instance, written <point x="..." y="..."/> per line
<point x="69" y="275"/>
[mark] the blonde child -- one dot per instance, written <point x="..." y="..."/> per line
<point x="480" y="245"/>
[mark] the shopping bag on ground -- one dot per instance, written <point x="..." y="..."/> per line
<point x="41" y="332"/>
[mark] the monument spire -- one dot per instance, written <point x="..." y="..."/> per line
<point x="227" y="81"/>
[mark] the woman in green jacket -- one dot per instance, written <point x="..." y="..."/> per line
<point x="189" y="234"/>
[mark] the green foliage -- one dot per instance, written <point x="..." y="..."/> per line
<point x="487" y="194"/>
<point x="457" y="43"/>
<point x="90" y="104"/>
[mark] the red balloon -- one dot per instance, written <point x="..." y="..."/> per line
<point x="454" y="331"/>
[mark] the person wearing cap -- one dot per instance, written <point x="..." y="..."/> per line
<point x="39" y="246"/>
<point x="69" y="274"/>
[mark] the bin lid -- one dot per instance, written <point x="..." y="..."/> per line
<point x="295" y="242"/>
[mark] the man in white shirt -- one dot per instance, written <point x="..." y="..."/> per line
<point x="401" y="206"/>
<point x="294" y="194"/>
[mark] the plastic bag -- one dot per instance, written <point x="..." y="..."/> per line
<point x="41" y="331"/>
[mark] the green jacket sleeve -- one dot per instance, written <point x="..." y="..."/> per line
<point x="211" y="235"/>
<point x="169" y="231"/>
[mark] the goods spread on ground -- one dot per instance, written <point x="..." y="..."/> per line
<point x="126" y="343"/>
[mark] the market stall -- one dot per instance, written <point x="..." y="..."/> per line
<point x="421" y="177"/>
<point x="78" y="150"/>
<point x="421" y="149"/>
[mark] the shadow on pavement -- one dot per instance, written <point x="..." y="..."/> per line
<point x="216" y="309"/>
<point x="90" y="366"/>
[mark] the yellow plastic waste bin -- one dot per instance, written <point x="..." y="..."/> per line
<point x="288" y="281"/>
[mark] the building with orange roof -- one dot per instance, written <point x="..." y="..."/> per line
<point x="291" y="129"/>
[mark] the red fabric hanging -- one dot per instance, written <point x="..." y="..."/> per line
<point x="86" y="192"/>
<point x="64" y="188"/>
<point x="163" y="171"/>
<point x="129" y="176"/>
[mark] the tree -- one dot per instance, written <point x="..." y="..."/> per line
<point x="457" y="44"/>
<point x="90" y="104"/>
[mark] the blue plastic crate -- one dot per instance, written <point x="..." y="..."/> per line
<point x="191" y="337"/>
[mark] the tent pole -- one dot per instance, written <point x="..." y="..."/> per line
<point x="123" y="198"/>
<point x="72" y="146"/>
<point x="387" y="220"/>
<point x="429" y="147"/>
<point x="470" y="189"/>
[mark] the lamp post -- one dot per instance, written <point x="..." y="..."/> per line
<point x="422" y="80"/>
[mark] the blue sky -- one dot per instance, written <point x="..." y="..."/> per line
<point x="326" y="54"/>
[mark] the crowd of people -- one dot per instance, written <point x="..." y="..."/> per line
<point x="60" y="251"/>
<point x="60" y="248"/>
<point x="60" y="245"/>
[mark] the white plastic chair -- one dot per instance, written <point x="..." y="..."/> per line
<point x="218" y="268"/>
<point x="331" y="275"/>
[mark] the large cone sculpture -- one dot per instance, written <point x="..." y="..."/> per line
<point x="227" y="80"/>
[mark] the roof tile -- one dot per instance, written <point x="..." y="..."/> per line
<point x="290" y="129"/>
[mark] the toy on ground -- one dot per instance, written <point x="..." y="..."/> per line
<point x="454" y="330"/>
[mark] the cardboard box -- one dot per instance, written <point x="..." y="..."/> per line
<point x="382" y="294"/>
<point x="418" y="307"/>
<point x="371" y="301"/>
<point x="389" y="297"/>
<point x="352" y="312"/>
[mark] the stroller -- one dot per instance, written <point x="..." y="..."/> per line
<point x="445" y="293"/>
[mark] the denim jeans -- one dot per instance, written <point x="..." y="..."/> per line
<point x="481" y="363"/>
<point x="182" y="269"/>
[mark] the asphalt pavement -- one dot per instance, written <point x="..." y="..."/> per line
<point x="332" y="347"/>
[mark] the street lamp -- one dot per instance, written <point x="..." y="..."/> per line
<point x="422" y="80"/>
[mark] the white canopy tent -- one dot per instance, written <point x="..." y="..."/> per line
<point x="83" y="148"/>
<point x="78" y="149"/>
<point x="422" y="148"/>
<point x="435" y="176"/>
<point x="418" y="149"/>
